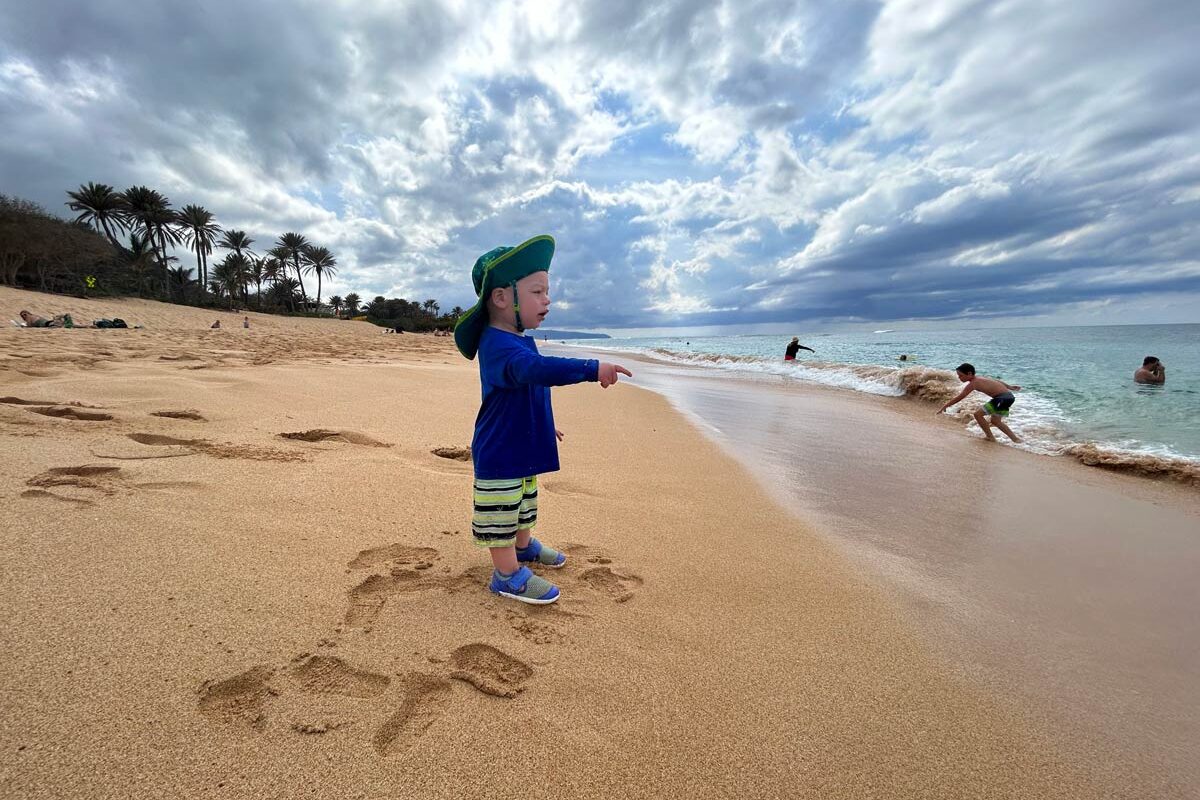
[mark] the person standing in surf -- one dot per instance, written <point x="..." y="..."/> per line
<point x="997" y="408"/>
<point x="794" y="347"/>
<point x="1152" y="372"/>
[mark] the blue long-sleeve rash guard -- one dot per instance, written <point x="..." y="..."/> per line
<point x="514" y="431"/>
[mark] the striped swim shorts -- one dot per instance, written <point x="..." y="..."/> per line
<point x="502" y="507"/>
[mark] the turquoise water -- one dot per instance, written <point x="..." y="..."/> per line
<point x="1077" y="381"/>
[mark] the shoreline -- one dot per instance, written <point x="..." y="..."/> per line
<point x="921" y="383"/>
<point x="1018" y="569"/>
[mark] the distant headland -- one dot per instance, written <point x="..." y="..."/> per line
<point x="542" y="333"/>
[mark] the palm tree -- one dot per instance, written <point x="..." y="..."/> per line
<point x="142" y="258"/>
<point x="238" y="241"/>
<point x="229" y="275"/>
<point x="431" y="307"/>
<point x="150" y="212"/>
<point x="456" y="312"/>
<point x="181" y="278"/>
<point x="293" y="244"/>
<point x="199" y="231"/>
<point x="352" y="300"/>
<point x="258" y="273"/>
<point x="276" y="267"/>
<point x="283" y="292"/>
<point x="101" y="207"/>
<point x="336" y="302"/>
<point x="322" y="262"/>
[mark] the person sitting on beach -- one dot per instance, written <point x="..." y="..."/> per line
<point x="794" y="347"/>
<point x="215" y="325"/>
<point x="1152" y="371"/>
<point x="1002" y="400"/>
<point x="515" y="439"/>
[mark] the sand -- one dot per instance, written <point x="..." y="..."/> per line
<point x="234" y="566"/>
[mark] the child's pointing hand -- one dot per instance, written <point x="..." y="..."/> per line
<point x="608" y="374"/>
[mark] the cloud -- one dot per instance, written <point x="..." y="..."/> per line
<point x="699" y="162"/>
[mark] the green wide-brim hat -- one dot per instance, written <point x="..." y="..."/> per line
<point x="502" y="266"/>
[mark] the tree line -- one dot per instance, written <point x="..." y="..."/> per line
<point x="90" y="255"/>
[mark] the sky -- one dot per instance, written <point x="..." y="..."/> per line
<point x="751" y="165"/>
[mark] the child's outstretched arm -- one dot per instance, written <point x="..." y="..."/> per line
<point x="966" y="391"/>
<point x="528" y="367"/>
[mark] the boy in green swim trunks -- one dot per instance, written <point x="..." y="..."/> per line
<point x="515" y="438"/>
<point x="1002" y="400"/>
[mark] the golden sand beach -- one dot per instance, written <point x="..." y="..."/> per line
<point x="237" y="563"/>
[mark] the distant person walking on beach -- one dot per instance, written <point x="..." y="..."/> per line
<point x="1152" y="371"/>
<point x="246" y="322"/>
<point x="1002" y="400"/>
<point x="794" y="347"/>
<point x="515" y="438"/>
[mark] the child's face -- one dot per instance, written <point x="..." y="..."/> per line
<point x="964" y="377"/>
<point x="533" y="293"/>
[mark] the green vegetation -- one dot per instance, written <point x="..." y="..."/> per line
<point x="89" y="257"/>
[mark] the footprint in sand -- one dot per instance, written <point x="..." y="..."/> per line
<point x="83" y="484"/>
<point x="453" y="453"/>
<point x="240" y="700"/>
<point x="368" y="597"/>
<point x="533" y="630"/>
<point x="185" y="414"/>
<point x="582" y="553"/>
<point x="489" y="670"/>
<point x="330" y="675"/>
<point x="155" y="440"/>
<point x="17" y="401"/>
<point x="599" y="575"/>
<point x="394" y="554"/>
<point x="425" y="699"/>
<point x="70" y="412"/>
<point x="614" y="584"/>
<point x="323" y="435"/>
<point x="215" y="449"/>
<point x="89" y="481"/>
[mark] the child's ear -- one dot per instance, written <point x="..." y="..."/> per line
<point x="499" y="296"/>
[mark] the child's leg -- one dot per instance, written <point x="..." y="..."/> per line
<point x="495" y="525"/>
<point x="504" y="559"/>
<point x="998" y="421"/>
<point x="530" y="550"/>
<point x="983" y="425"/>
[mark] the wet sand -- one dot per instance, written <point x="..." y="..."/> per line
<point x="1070" y="589"/>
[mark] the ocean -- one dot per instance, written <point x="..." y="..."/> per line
<point x="1078" y="396"/>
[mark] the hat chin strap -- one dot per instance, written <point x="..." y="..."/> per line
<point x="517" y="308"/>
